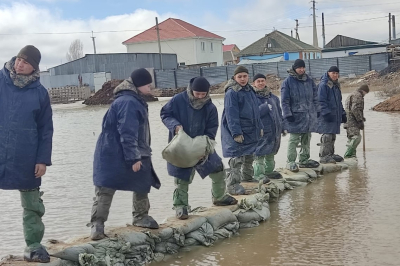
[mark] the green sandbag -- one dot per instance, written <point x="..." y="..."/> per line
<point x="72" y="253"/>
<point x="184" y="151"/>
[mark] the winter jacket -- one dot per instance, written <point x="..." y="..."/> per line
<point x="271" y="118"/>
<point x="123" y="141"/>
<point x="240" y="117"/>
<point x="26" y="132"/>
<point x="355" y="113"/>
<point x="299" y="97"/>
<point x="195" y="122"/>
<point x="330" y="101"/>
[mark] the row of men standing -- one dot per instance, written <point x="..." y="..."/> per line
<point x="252" y="124"/>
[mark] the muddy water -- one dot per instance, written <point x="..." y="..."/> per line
<point x="351" y="218"/>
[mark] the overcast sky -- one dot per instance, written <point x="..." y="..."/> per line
<point x="51" y="25"/>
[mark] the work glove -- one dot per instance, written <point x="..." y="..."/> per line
<point x="361" y="125"/>
<point x="284" y="133"/>
<point x="262" y="133"/>
<point x="177" y="128"/>
<point x="344" y="118"/>
<point x="329" y="118"/>
<point x="239" y="139"/>
<point x="290" y="119"/>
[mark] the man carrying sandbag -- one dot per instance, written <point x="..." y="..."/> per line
<point x="122" y="159"/>
<point x="193" y="112"/>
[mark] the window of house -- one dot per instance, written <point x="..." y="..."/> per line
<point x="203" y="46"/>
<point x="269" y="45"/>
<point x="212" y="47"/>
<point x="182" y="64"/>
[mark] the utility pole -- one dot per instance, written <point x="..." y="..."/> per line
<point x="390" y="27"/>
<point x="297" y="30"/>
<point x="394" y="27"/>
<point x="323" y="31"/>
<point x="94" y="43"/>
<point x="159" y="44"/>
<point x="315" y="36"/>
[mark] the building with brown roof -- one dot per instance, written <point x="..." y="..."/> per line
<point x="230" y="54"/>
<point x="192" y="45"/>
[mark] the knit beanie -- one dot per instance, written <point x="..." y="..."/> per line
<point x="364" y="87"/>
<point x="259" y="76"/>
<point x="141" y="77"/>
<point x="199" y="84"/>
<point x="298" y="63"/>
<point x="333" y="69"/>
<point x="240" y="69"/>
<point x="31" y="55"/>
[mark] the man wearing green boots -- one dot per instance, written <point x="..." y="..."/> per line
<point x="193" y="112"/>
<point x="355" y="119"/>
<point x="26" y="133"/>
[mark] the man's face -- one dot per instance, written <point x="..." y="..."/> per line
<point x="301" y="70"/>
<point x="199" y="94"/>
<point x="242" y="78"/>
<point x="259" y="83"/>
<point x="333" y="75"/>
<point x="146" y="89"/>
<point x="22" y="67"/>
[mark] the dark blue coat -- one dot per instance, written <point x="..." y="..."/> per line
<point x="26" y="132"/>
<point x="271" y="118"/>
<point x="240" y="117"/>
<point x="124" y="140"/>
<point x="330" y="101"/>
<point x="195" y="122"/>
<point x="300" y="100"/>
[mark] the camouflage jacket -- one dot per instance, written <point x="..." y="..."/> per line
<point x="355" y="113"/>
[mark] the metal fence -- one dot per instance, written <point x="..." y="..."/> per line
<point x="357" y="65"/>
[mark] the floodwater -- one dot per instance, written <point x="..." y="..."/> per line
<point x="350" y="218"/>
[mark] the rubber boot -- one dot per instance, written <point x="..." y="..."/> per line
<point x="233" y="179"/>
<point x="247" y="169"/>
<point x="33" y="211"/>
<point x="181" y="197"/>
<point x="140" y="210"/>
<point x="100" y="211"/>
<point x="259" y="167"/>
<point x="218" y="191"/>
<point x="327" y="159"/>
<point x="274" y="175"/>
<point x="352" y="144"/>
<point x="292" y="166"/>
<point x="309" y="164"/>
<point x="337" y="158"/>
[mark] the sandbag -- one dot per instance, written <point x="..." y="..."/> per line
<point x="60" y="262"/>
<point x="300" y="177"/>
<point x="204" y="235"/>
<point x="191" y="224"/>
<point x="184" y="151"/>
<point x="166" y="248"/>
<point x="249" y="224"/>
<point x="219" y="218"/>
<point x="297" y="183"/>
<point x="191" y="242"/>
<point x="138" y="238"/>
<point x="223" y="233"/>
<point x="72" y="253"/>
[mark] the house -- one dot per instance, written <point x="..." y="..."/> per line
<point x="192" y="45"/>
<point x="342" y="46"/>
<point x="230" y="54"/>
<point x="278" y="46"/>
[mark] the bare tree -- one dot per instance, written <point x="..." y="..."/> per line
<point x="75" y="50"/>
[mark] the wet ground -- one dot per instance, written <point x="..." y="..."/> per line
<point x="351" y="218"/>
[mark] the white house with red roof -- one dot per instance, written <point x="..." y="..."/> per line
<point x="191" y="44"/>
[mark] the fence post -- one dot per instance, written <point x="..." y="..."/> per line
<point x="370" y="62"/>
<point x="252" y="67"/>
<point x="277" y="69"/>
<point x="155" y="78"/>
<point x="175" y="80"/>
<point x="226" y="69"/>
<point x="201" y="71"/>
<point x="337" y="62"/>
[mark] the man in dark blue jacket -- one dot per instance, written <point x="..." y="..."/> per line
<point x="332" y="115"/>
<point x="122" y="159"/>
<point x="271" y="118"/>
<point x="299" y="97"/>
<point x="193" y="112"/>
<point x="26" y="135"/>
<point x="241" y="127"/>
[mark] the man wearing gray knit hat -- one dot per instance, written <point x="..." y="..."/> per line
<point x="26" y="137"/>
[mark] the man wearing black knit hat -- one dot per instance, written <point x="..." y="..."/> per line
<point x="26" y="134"/>
<point x="193" y="112"/>
<point x="299" y="97"/>
<point x="122" y="158"/>
<point x="332" y="115"/>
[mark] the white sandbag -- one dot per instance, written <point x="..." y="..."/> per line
<point x="184" y="151"/>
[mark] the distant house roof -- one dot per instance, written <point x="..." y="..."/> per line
<point x="277" y="42"/>
<point x="344" y="41"/>
<point x="228" y="47"/>
<point x="170" y="29"/>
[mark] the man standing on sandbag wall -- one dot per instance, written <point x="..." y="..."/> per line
<point x="271" y="118"/>
<point x="122" y="159"/>
<point x="193" y="112"/>
<point x="26" y="137"/>
<point x="355" y="114"/>
<point x="332" y="115"/>
<point x="299" y="97"/>
<point x="241" y="128"/>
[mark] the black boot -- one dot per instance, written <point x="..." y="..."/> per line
<point x="225" y="201"/>
<point x="274" y="175"/>
<point x="181" y="213"/>
<point x="145" y="221"/>
<point x="309" y="164"/>
<point x="97" y="231"/>
<point x="140" y="210"/>
<point x="38" y="255"/>
<point x="337" y="158"/>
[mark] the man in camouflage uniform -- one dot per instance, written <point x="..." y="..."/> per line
<point x="355" y="119"/>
